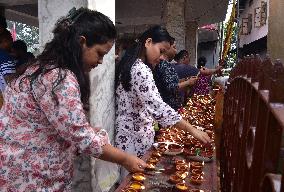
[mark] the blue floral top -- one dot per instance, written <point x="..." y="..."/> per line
<point x="166" y="79"/>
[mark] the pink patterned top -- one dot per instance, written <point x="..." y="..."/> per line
<point x="39" y="136"/>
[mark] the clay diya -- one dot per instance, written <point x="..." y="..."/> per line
<point x="175" y="148"/>
<point x="197" y="172"/>
<point x="188" y="143"/>
<point x="163" y="131"/>
<point x="153" y="160"/>
<point x="156" y="154"/>
<point x="182" y="167"/>
<point x="182" y="174"/>
<point x="129" y="190"/>
<point x="162" y="150"/>
<point x="196" y="165"/>
<point x="181" y="186"/>
<point x="196" y="180"/>
<point x="161" y="139"/>
<point x="150" y="166"/>
<point x="162" y="145"/>
<point x="175" y="179"/>
<point x="207" y="154"/>
<point x="139" y="177"/>
<point x="180" y="162"/>
<point x="137" y="186"/>
<point x="189" y="152"/>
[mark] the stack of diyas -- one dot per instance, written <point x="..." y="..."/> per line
<point x="197" y="175"/>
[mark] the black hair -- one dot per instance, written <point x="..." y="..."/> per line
<point x="30" y="55"/>
<point x="180" y="55"/>
<point x="201" y="62"/>
<point x="172" y="40"/>
<point x="64" y="51"/>
<point x="123" y="71"/>
<point x="3" y="22"/>
<point x="20" y="45"/>
<point x="6" y="34"/>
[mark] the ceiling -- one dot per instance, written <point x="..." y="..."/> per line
<point x="134" y="15"/>
<point x="23" y="11"/>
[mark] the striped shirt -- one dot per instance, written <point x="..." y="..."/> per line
<point x="7" y="66"/>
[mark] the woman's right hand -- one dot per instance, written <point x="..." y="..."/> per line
<point x="133" y="164"/>
<point x="201" y="136"/>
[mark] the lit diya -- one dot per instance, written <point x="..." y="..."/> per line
<point x="196" y="165"/>
<point x="150" y="166"/>
<point x="196" y="179"/>
<point x="156" y="154"/>
<point x="153" y="160"/>
<point x="181" y="186"/>
<point x="182" y="167"/>
<point x="182" y="174"/>
<point x="139" y="177"/>
<point x="197" y="172"/>
<point x="137" y="186"/>
<point x="180" y="162"/>
<point x="189" y="152"/>
<point x="175" y="148"/>
<point x="207" y="154"/>
<point x="175" y="179"/>
<point x="129" y="190"/>
<point x="162" y="146"/>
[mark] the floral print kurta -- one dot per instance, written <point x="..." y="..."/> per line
<point x="41" y="131"/>
<point x="201" y="87"/>
<point x="166" y="80"/>
<point x="137" y="110"/>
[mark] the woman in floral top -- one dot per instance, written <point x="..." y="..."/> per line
<point x="42" y="121"/>
<point x="138" y="100"/>
<point x="202" y="85"/>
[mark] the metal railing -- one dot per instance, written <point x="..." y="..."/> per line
<point x="252" y="138"/>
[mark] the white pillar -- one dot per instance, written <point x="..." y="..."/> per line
<point x="102" y="111"/>
<point x="192" y="41"/>
<point x="174" y="20"/>
<point x="49" y="11"/>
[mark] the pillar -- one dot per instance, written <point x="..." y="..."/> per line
<point x="275" y="37"/>
<point x="191" y="41"/>
<point x="173" y="17"/>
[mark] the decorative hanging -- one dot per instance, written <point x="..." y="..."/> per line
<point x="229" y="34"/>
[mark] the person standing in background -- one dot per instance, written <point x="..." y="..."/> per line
<point x="7" y="62"/>
<point x="167" y="80"/>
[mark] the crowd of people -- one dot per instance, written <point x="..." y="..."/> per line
<point x="43" y="122"/>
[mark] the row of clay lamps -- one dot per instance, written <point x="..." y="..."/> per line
<point x="183" y="170"/>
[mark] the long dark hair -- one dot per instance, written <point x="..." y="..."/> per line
<point x="123" y="69"/>
<point x="64" y="50"/>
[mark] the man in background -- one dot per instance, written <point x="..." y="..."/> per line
<point x="22" y="56"/>
<point x="7" y="63"/>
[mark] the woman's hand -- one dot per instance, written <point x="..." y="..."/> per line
<point x="133" y="164"/>
<point x="191" y="81"/>
<point x="200" y="135"/>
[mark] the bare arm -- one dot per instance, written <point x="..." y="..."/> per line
<point x="206" y="71"/>
<point x="200" y="135"/>
<point x="115" y="155"/>
<point x="190" y="82"/>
